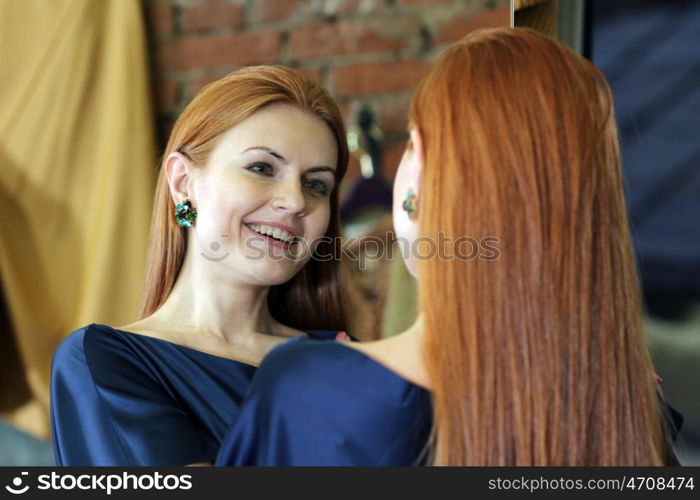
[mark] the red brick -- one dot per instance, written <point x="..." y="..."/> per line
<point x="391" y="158"/>
<point x="393" y="115"/>
<point x="160" y="18"/>
<point x="373" y="78"/>
<point x="351" y="175"/>
<point x="275" y="10"/>
<point x="166" y="96"/>
<point x="313" y="74"/>
<point x="349" y="113"/>
<point x="202" y="82"/>
<point x="347" y="110"/>
<point x="208" y="14"/>
<point x="202" y="52"/>
<point x="344" y="38"/>
<point x="345" y="7"/>
<point x="462" y="25"/>
<point x="411" y="3"/>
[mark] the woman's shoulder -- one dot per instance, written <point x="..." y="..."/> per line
<point x="313" y="367"/>
<point x="327" y="335"/>
<point x="89" y="337"/>
<point x="72" y="347"/>
<point x="305" y="356"/>
<point x="98" y="346"/>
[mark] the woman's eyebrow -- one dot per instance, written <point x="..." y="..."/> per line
<point x="322" y="168"/>
<point x="267" y="150"/>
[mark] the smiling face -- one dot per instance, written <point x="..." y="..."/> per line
<point x="263" y="193"/>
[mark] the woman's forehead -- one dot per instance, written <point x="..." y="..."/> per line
<point x="282" y="129"/>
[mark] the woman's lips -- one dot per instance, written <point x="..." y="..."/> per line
<point x="272" y="241"/>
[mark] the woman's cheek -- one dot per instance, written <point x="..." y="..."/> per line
<point x="326" y="220"/>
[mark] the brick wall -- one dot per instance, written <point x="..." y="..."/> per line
<point x="366" y="52"/>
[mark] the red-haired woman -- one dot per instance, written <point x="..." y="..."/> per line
<point x="529" y="349"/>
<point x="247" y="193"/>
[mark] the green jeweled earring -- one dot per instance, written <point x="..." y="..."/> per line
<point x="409" y="203"/>
<point x="185" y="214"/>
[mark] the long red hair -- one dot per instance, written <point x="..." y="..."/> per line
<point x="314" y="298"/>
<point x="539" y="357"/>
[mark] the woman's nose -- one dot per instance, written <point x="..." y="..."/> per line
<point x="289" y="197"/>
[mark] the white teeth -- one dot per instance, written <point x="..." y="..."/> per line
<point x="275" y="232"/>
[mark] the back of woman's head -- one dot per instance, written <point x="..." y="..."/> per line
<point x="537" y="357"/>
<point x="313" y="298"/>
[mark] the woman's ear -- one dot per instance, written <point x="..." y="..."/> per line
<point x="418" y="160"/>
<point x="178" y="172"/>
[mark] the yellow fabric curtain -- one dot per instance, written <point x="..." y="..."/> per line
<point x="77" y="171"/>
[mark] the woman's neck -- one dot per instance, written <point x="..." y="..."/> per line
<point x="208" y="310"/>
<point x="403" y="353"/>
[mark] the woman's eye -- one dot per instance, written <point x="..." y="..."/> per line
<point x="317" y="186"/>
<point x="261" y="168"/>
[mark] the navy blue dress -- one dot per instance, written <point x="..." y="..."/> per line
<point x="119" y="398"/>
<point x="336" y="406"/>
<point x="324" y="403"/>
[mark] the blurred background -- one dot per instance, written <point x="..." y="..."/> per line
<point x="648" y="50"/>
<point x="89" y="91"/>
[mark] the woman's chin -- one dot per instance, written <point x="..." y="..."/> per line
<point x="274" y="280"/>
<point x="274" y="272"/>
